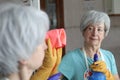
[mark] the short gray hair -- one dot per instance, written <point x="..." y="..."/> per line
<point x="22" y="29"/>
<point x="92" y="17"/>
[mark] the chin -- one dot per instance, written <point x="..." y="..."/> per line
<point x="94" y="44"/>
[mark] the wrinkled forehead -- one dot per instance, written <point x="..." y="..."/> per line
<point x="98" y="25"/>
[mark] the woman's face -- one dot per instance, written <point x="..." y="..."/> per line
<point x="94" y="34"/>
<point x="36" y="60"/>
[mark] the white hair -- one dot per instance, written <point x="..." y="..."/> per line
<point x="93" y="17"/>
<point x="22" y="29"/>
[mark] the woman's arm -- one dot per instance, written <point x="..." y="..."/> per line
<point x="116" y="77"/>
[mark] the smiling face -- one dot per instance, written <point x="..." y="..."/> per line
<point x="94" y="34"/>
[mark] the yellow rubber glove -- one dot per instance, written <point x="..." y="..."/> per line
<point x="100" y="66"/>
<point x="59" y="56"/>
<point x="44" y="71"/>
<point x="56" y="40"/>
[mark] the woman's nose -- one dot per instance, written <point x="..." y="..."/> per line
<point x="95" y="32"/>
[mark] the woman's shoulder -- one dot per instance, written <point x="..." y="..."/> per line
<point x="106" y="52"/>
<point x="74" y="51"/>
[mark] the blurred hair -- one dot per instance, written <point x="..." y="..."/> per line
<point x="95" y="17"/>
<point x="22" y="29"/>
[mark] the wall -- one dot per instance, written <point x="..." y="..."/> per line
<point x="73" y="9"/>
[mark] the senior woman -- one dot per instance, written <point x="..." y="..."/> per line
<point x="22" y="34"/>
<point x="78" y="64"/>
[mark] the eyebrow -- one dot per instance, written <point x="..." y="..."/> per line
<point x="95" y="25"/>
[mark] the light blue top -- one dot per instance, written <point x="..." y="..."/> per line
<point x="73" y="64"/>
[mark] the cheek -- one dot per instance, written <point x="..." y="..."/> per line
<point x="39" y="58"/>
<point x="86" y="36"/>
<point x="101" y="37"/>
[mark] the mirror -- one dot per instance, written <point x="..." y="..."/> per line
<point x="51" y="10"/>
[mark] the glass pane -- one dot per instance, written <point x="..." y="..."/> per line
<point x="51" y="10"/>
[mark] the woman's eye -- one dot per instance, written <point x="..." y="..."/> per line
<point x="90" y="28"/>
<point x="100" y="30"/>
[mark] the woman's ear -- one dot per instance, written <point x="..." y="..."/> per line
<point x="23" y="62"/>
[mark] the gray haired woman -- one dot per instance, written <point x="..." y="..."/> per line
<point x="22" y="34"/>
<point x="79" y="64"/>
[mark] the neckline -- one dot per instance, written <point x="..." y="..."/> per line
<point x="85" y="56"/>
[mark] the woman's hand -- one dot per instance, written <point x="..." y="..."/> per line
<point x="100" y="66"/>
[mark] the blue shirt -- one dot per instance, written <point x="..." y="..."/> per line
<point x="73" y="64"/>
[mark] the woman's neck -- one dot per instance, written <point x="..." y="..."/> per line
<point x="23" y="74"/>
<point x="91" y="50"/>
<point x="14" y="76"/>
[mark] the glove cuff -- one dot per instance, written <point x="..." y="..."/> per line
<point x="108" y="75"/>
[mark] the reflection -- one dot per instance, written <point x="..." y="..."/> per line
<point x="51" y="10"/>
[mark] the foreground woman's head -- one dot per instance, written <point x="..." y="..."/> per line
<point x="22" y="33"/>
